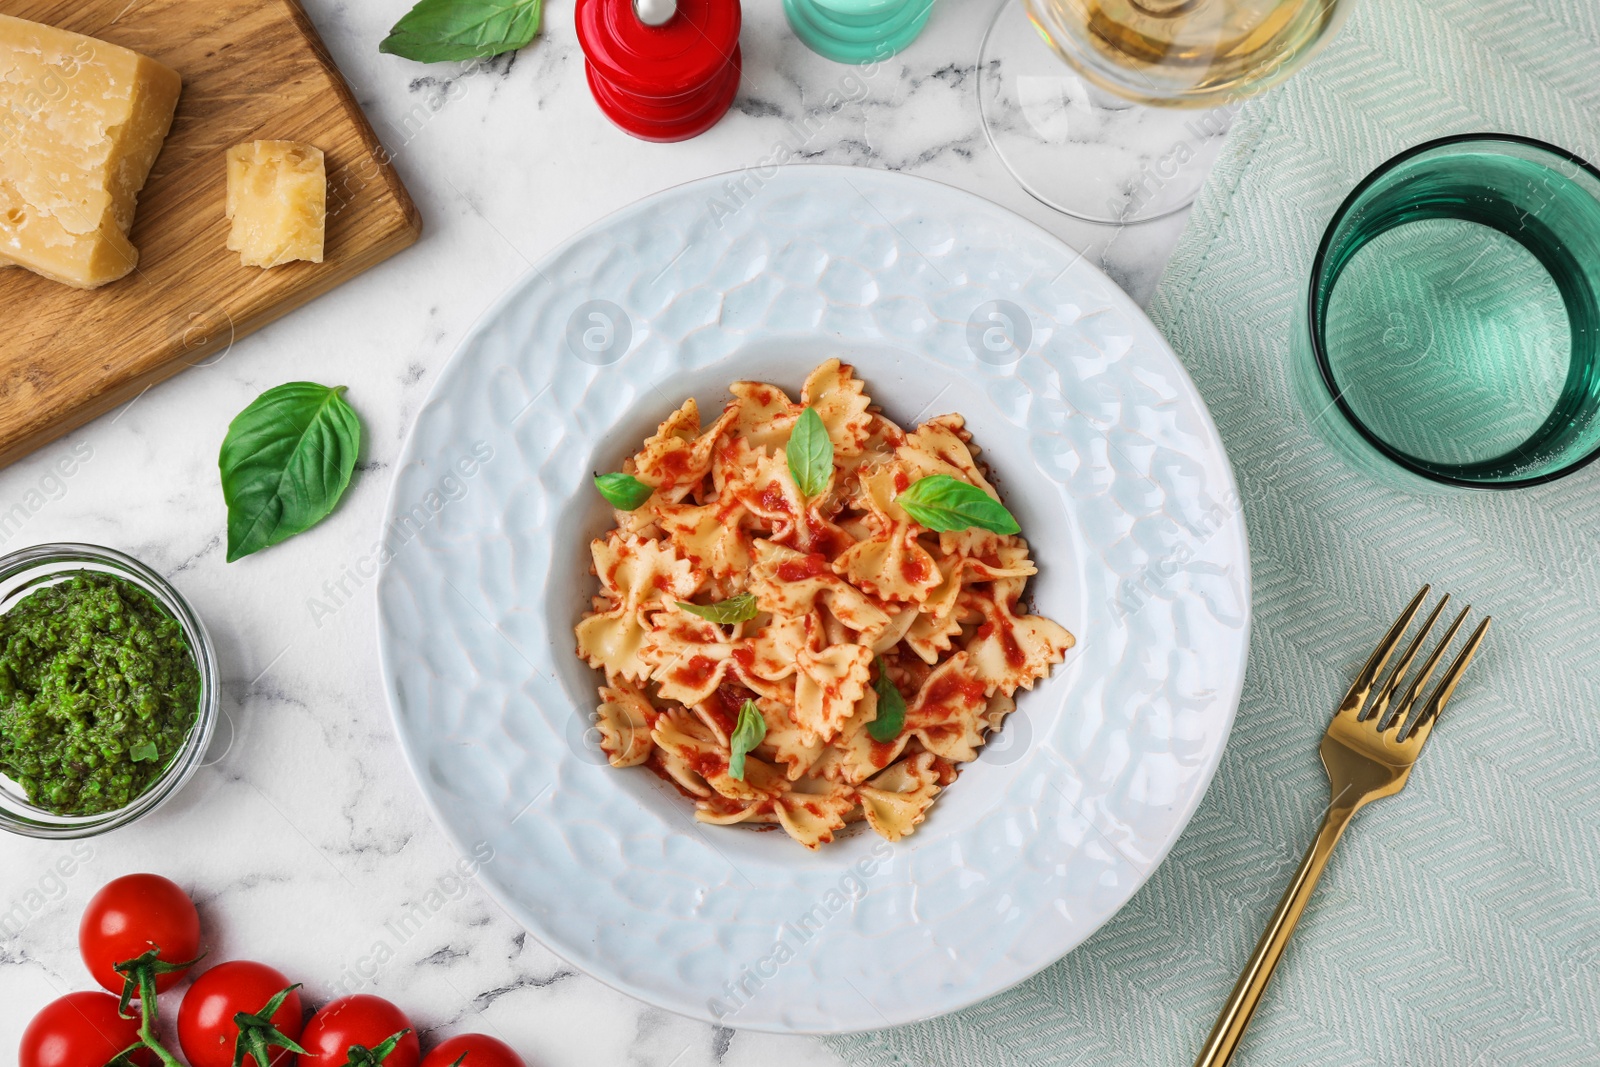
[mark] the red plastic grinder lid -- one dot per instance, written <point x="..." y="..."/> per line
<point x="695" y="46"/>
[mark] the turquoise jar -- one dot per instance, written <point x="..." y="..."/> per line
<point x="857" y="31"/>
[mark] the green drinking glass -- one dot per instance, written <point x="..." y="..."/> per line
<point x="1451" y="335"/>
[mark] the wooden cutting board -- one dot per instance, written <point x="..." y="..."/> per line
<point x="251" y="69"/>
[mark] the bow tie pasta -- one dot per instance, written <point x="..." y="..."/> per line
<point x="783" y="635"/>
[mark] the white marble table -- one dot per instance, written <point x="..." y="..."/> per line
<point x="304" y="841"/>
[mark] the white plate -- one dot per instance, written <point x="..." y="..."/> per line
<point x="1100" y="446"/>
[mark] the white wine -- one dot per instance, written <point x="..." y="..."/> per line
<point x="1066" y="131"/>
<point x="1185" y="53"/>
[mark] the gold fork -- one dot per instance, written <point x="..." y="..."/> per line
<point x="1369" y="750"/>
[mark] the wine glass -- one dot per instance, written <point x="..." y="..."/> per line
<point x="1126" y="130"/>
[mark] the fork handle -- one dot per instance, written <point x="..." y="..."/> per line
<point x="1225" y="1036"/>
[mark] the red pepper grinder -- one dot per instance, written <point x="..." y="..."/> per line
<point x="662" y="70"/>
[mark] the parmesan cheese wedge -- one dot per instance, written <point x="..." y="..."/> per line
<point x="81" y="124"/>
<point x="278" y="201"/>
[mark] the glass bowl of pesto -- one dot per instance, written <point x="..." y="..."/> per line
<point x="108" y="690"/>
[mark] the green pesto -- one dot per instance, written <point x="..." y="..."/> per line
<point x="98" y="691"/>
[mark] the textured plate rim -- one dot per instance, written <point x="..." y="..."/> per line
<point x="1229" y="701"/>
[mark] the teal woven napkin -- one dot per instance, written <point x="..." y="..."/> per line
<point x="1458" y="924"/>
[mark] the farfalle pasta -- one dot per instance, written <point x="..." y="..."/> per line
<point x="808" y="617"/>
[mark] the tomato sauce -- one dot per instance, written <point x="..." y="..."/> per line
<point x="951" y="691"/>
<point x="826" y="538"/>
<point x="1015" y="657"/>
<point x="674" y="464"/>
<point x="724" y="703"/>
<point x="684" y="632"/>
<point x="696" y="673"/>
<point x="708" y="765"/>
<point x="882" y="752"/>
<point x="772" y="499"/>
<point x="915" y="569"/>
<point x="798" y="570"/>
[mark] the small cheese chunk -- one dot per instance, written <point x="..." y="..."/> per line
<point x="81" y="124"/>
<point x="278" y="201"/>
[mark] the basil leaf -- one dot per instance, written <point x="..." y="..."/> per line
<point x="751" y="731"/>
<point x="144" y="750"/>
<point x="741" y="608"/>
<point x="285" y="463"/>
<point x="891" y="708"/>
<point x="438" y="31"/>
<point x="623" y="490"/>
<point x="810" y="453"/>
<point x="941" y="502"/>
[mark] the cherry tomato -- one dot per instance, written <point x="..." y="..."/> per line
<point x="79" y="1030"/>
<point x="206" y="1029"/>
<point x="358" y="1020"/>
<point x="480" y="1050"/>
<point x="130" y="916"/>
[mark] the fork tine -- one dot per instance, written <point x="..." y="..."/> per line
<point x="1402" y="714"/>
<point x="1380" y="708"/>
<point x="1447" y="686"/>
<point x="1361" y="688"/>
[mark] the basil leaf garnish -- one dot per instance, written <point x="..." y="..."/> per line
<point x="285" y="463"/>
<point x="810" y="453"/>
<point x="741" y="608"/>
<point x="941" y="502"/>
<point x="891" y="708"/>
<point x="750" y="732"/>
<point x="623" y="490"/>
<point x="437" y="31"/>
